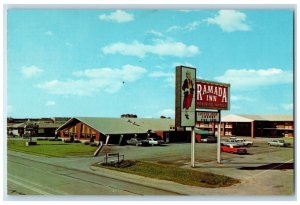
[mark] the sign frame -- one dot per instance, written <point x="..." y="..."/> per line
<point x="216" y="84"/>
<point x="190" y="113"/>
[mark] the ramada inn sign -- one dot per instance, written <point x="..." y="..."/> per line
<point x="193" y="94"/>
<point x="211" y="95"/>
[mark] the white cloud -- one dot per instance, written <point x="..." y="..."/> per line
<point x="30" y="71"/>
<point x="94" y="80"/>
<point x="50" y="103"/>
<point x="118" y="16"/>
<point x="174" y="28"/>
<point x="288" y="106"/>
<point x="189" y="27"/>
<point x="167" y="113"/>
<point x="250" y="78"/>
<point x="155" y="33"/>
<point x="48" y="33"/>
<point x="230" y="20"/>
<point x="168" y="77"/>
<point x="160" y="47"/>
<point x="192" y="26"/>
<point x="68" y="44"/>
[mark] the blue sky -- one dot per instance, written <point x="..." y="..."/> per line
<point x="105" y="63"/>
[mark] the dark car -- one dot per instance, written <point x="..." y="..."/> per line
<point x="209" y="139"/>
<point x="134" y="141"/>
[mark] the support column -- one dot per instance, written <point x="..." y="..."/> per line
<point x="193" y="147"/>
<point x="78" y="129"/>
<point x="120" y="139"/>
<point x="219" y="140"/>
<point x="107" y="138"/>
<point x="252" y="129"/>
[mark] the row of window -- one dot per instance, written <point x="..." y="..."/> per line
<point x="82" y="135"/>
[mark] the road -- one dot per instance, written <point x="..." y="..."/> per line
<point x="265" y="171"/>
<point x="31" y="177"/>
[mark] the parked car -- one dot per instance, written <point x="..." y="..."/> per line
<point x="232" y="141"/>
<point x="153" y="141"/>
<point x="245" y="142"/>
<point x="279" y="143"/>
<point x="230" y="148"/>
<point x="209" y="139"/>
<point x="135" y="141"/>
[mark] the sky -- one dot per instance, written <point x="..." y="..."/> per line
<point x="105" y="63"/>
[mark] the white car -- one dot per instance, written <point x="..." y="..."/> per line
<point x="152" y="141"/>
<point x="245" y="142"/>
<point x="232" y="141"/>
<point x="279" y="143"/>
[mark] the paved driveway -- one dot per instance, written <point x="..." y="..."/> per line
<point x="265" y="171"/>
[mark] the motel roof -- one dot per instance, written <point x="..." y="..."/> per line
<point x="49" y="125"/>
<point x="251" y="118"/>
<point x="142" y="125"/>
<point x="17" y="125"/>
<point x="123" y="125"/>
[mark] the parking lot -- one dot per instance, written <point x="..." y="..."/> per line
<point x="267" y="168"/>
<point x="264" y="171"/>
<point x="179" y="154"/>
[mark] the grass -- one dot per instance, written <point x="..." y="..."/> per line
<point x="51" y="148"/>
<point x="147" y="169"/>
<point x="176" y="174"/>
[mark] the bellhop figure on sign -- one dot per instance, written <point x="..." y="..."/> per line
<point x="188" y="90"/>
<point x="185" y="96"/>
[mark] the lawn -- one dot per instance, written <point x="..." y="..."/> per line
<point x="152" y="170"/>
<point x="176" y="174"/>
<point x="51" y="148"/>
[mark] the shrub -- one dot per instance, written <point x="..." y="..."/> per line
<point x="31" y="143"/>
<point x="93" y="144"/>
<point x="76" y="141"/>
<point x="86" y="143"/>
<point x="67" y="141"/>
<point x="125" y="163"/>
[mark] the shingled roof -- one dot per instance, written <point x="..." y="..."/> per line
<point x="251" y="118"/>
<point x="124" y="125"/>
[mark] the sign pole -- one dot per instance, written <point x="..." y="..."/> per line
<point x="219" y="140"/>
<point x="193" y="147"/>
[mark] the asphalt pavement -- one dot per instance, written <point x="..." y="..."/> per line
<point x="265" y="172"/>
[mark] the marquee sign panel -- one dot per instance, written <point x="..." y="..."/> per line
<point x="212" y="95"/>
<point x="207" y="116"/>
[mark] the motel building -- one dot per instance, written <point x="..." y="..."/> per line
<point x="118" y="130"/>
<point x="252" y="125"/>
<point x="46" y="126"/>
